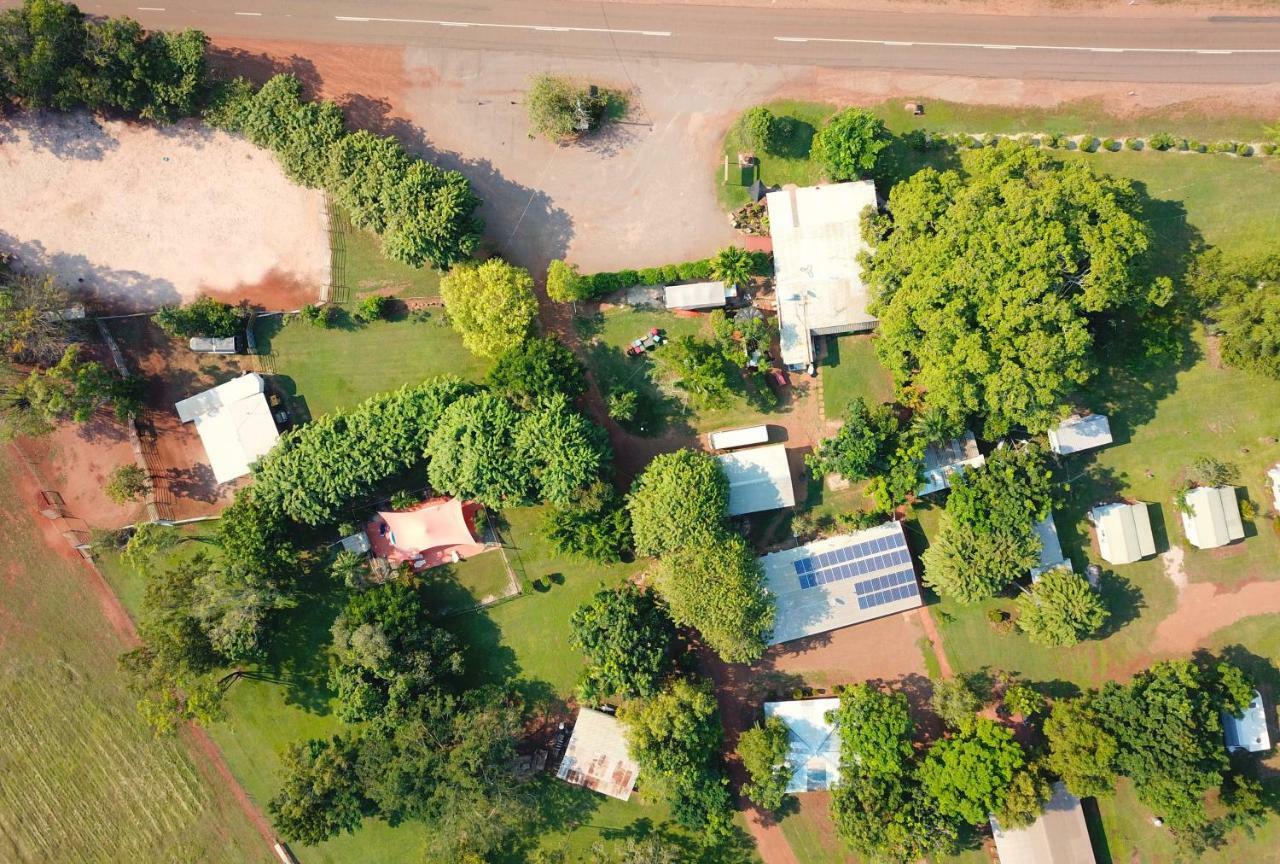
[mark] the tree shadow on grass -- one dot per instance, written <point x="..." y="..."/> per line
<point x="656" y="411"/>
<point x="793" y="138"/>
<point x="299" y="652"/>
<point x="1123" y="599"/>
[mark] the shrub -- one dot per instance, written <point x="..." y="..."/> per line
<point x="623" y="405"/>
<point x="1133" y="143"/>
<point x="1268" y="149"/>
<point x="403" y="500"/>
<point x="1053" y="141"/>
<point x="1162" y="141"/>
<point x="126" y="483"/>
<point x="372" y="308"/>
<point x="1248" y="510"/>
<point x="1089" y="144"/>
<point x="1110" y="144"/>
<point x="559" y="108"/>
<point x="848" y="145"/>
<point x="321" y="315"/>
<point x="201" y="317"/>
<point x="1243" y="149"/>
<point x="757" y="126"/>
<point x="1195" y="146"/>
<point x="1224" y="147"/>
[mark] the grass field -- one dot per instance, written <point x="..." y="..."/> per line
<point x="324" y="369"/>
<point x="663" y="405"/>
<point x="81" y="777"/>
<point x="851" y="369"/>
<point x="361" y="268"/>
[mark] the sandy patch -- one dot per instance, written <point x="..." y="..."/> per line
<point x="1204" y="608"/>
<point x="135" y="216"/>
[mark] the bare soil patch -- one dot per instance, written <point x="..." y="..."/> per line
<point x="133" y="216"/>
<point x="1204" y="608"/>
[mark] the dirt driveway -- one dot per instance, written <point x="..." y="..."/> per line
<point x="135" y="216"/>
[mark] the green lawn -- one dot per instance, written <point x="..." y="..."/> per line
<point x="324" y="369"/>
<point x="851" y="369"/>
<point x="361" y="268"/>
<point x="83" y="779"/>
<point x="791" y="165"/>
<point x="482" y="579"/>
<point x="811" y="835"/>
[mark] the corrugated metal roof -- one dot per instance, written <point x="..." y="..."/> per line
<point x="944" y="459"/>
<point x="597" y="756"/>
<point x="1124" y="532"/>
<point x="1214" y="519"/>
<point x="813" y="742"/>
<point x="1059" y="836"/>
<point x="1078" y="433"/>
<point x="759" y="479"/>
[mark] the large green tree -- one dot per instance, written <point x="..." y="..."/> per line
<point x="989" y="282"/>
<point x="676" y="738"/>
<point x="849" y="143"/>
<point x="679" y="500"/>
<point x="320" y="796"/>
<point x="536" y="368"/>
<point x="717" y="587"/>
<point x="564" y="451"/>
<point x="971" y="773"/>
<point x="1061" y="609"/>
<point x="1242" y="296"/>
<point x="41" y="52"/>
<point x="491" y="305"/>
<point x="474" y="453"/>
<point x="763" y="750"/>
<point x="628" y="641"/>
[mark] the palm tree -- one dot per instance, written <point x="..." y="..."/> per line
<point x="933" y="426"/>
<point x="732" y="265"/>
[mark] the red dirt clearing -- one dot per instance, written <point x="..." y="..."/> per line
<point x="1204" y="608"/>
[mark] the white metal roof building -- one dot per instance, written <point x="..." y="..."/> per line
<point x="838" y="581"/>
<point x="817" y="236"/>
<point x="759" y="479"/>
<point x="813" y="751"/>
<point x="1078" y="433"/>
<point x="1273" y="477"/>
<point x="1059" y="836"/>
<point x="1249" y="732"/>
<point x="698" y="295"/>
<point x="1051" y="556"/>
<point x="1214" y="519"/>
<point x="1124" y="532"/>
<point x="728" y="439"/>
<point x="234" y="422"/>
<point x="597" y="756"/>
<point x="943" y="460"/>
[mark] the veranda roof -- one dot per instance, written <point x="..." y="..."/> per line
<point x="438" y="524"/>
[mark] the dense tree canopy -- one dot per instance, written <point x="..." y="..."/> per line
<point x="986" y="538"/>
<point x="320" y="796"/>
<point x="201" y="317"/>
<point x="387" y="652"/>
<point x="848" y="144"/>
<point x="763" y="750"/>
<point x="878" y="807"/>
<point x="680" y="499"/>
<point x="971" y="773"/>
<point x="717" y="587"/>
<point x="31" y="330"/>
<point x="676" y="737"/>
<point x="1061" y="609"/>
<point x="536" y="368"/>
<point x="987" y="281"/>
<point x="872" y="443"/>
<point x="491" y="305"/>
<point x="473" y="451"/>
<point x="1242" y="296"/>
<point x="597" y="526"/>
<point x="627" y="638"/>
<point x="564" y="451"/>
<point x="317" y="470"/>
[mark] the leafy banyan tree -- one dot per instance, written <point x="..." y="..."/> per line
<point x="988" y="280"/>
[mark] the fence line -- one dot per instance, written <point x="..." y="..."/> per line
<point x="135" y="440"/>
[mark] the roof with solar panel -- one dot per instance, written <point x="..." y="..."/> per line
<point x="839" y="581"/>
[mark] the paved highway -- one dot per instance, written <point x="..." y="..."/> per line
<point x="1221" y="50"/>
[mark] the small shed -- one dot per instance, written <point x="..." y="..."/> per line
<point x="1124" y="532"/>
<point x="729" y="439"/>
<point x="357" y="543"/>
<point x="1058" y="836"/>
<point x="1051" y="556"/>
<point x="698" y="295"/>
<point x="813" y="742"/>
<point x="943" y="460"/>
<point x="597" y="756"/>
<point x="1273" y="480"/>
<point x="756" y="191"/>
<point x="759" y="479"/>
<point x="1248" y="732"/>
<point x="234" y="422"/>
<point x="1214" y="517"/>
<point x="209" y="345"/>
<point x="1080" y="432"/>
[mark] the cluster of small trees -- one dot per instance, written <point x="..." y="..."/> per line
<point x="990" y="283"/>
<point x="51" y="56"/>
<point x="1242" y="298"/>
<point x="875" y="444"/>
<point x="847" y="146"/>
<point x="203" y="316"/>
<point x="708" y="576"/>
<point x="559" y="108"/>
<point x="423" y="213"/>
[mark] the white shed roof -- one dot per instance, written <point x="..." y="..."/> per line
<point x="698" y="295"/>
<point x="1050" y="548"/>
<point x="1249" y="732"/>
<point x="1215" y="517"/>
<point x="817" y="236"/>
<point x="943" y="460"/>
<point x="759" y="479"/>
<point x="1058" y="836"/>
<point x="842" y="580"/>
<point x="235" y="424"/>
<point x="1124" y="532"/>
<point x="727" y="439"/>
<point x="597" y="756"/>
<point x="813" y="742"/>
<point x="1078" y="433"/>
<point x="1273" y="475"/>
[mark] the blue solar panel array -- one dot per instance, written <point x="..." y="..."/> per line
<point x="887" y="557"/>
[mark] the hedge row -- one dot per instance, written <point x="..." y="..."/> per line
<point x="1162" y="141"/>
<point x="599" y="284"/>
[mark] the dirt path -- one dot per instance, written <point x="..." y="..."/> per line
<point x="118" y="617"/>
<point x="935" y="640"/>
<point x="1204" y="608"/>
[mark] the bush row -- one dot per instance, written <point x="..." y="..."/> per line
<point x="599" y="284"/>
<point x="422" y="212"/>
<point x="922" y="141"/>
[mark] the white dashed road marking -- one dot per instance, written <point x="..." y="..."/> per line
<point x="1093" y="49"/>
<point x="542" y="27"/>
